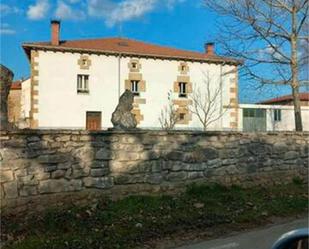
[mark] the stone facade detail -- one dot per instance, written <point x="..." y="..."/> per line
<point x="183" y="68"/>
<point x="34" y="111"/>
<point x="55" y="167"/>
<point x="182" y="104"/>
<point x="84" y="62"/>
<point x="134" y="68"/>
<point x="234" y="109"/>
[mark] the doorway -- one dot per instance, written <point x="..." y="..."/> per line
<point x="93" y="121"/>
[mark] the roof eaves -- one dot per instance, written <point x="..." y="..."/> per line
<point x="28" y="46"/>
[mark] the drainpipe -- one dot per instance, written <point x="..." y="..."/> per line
<point x="119" y="74"/>
<point x="221" y="96"/>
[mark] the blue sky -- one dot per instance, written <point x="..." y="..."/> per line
<point x="183" y="24"/>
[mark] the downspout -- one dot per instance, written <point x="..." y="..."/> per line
<point x="119" y="74"/>
<point x="221" y="96"/>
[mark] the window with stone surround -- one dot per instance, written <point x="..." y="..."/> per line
<point x="134" y="65"/>
<point x="182" y="89"/>
<point x="82" y="83"/>
<point x="134" y="87"/>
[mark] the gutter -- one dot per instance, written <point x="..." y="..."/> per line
<point x="29" y="46"/>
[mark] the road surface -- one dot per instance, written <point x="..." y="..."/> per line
<point x="257" y="239"/>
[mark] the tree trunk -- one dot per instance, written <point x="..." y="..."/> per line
<point x="294" y="70"/>
<point x="297" y="109"/>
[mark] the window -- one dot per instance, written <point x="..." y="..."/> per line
<point x="277" y="115"/>
<point x="134" y="87"/>
<point x="254" y="113"/>
<point x="134" y="65"/>
<point x="182" y="90"/>
<point x="181" y="116"/>
<point x="82" y="83"/>
<point x="84" y="62"/>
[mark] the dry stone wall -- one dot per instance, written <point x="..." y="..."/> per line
<point x="43" y="168"/>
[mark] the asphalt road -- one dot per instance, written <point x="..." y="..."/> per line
<point x="257" y="239"/>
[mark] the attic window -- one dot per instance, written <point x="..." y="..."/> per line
<point x="84" y="62"/>
<point x="183" y="68"/>
<point x="134" y="65"/>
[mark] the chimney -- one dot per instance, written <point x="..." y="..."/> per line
<point x="55" y="32"/>
<point x="210" y="48"/>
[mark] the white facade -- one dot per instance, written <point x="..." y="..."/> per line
<point x="60" y="106"/>
<point x="287" y="117"/>
<point x="25" y="99"/>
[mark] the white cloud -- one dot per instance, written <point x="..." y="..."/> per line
<point x="130" y="9"/>
<point x="126" y="10"/>
<point x="38" y="10"/>
<point x="6" y="29"/>
<point x="65" y="11"/>
<point x="6" y="9"/>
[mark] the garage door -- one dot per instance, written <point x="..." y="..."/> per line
<point x="254" y="119"/>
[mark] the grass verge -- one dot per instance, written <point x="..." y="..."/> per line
<point x="131" y="222"/>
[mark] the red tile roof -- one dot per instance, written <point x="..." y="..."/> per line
<point x="302" y="96"/>
<point x="16" y="85"/>
<point x="127" y="46"/>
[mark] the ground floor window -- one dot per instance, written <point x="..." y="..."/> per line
<point x="277" y="115"/>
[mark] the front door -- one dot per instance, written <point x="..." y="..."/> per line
<point x="93" y="121"/>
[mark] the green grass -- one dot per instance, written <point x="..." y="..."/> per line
<point x="130" y="222"/>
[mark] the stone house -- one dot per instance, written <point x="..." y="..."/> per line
<point x="19" y="103"/>
<point x="14" y="102"/>
<point x="77" y="83"/>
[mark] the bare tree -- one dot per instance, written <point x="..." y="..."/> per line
<point x="205" y="104"/>
<point x="267" y="35"/>
<point x="169" y="116"/>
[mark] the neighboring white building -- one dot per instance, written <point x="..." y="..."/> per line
<point x="25" y="103"/>
<point x="77" y="84"/>
<point x="273" y="115"/>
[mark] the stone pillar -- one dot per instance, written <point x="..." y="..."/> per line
<point x="6" y="77"/>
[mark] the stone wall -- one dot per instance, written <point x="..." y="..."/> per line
<point x="43" y="168"/>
